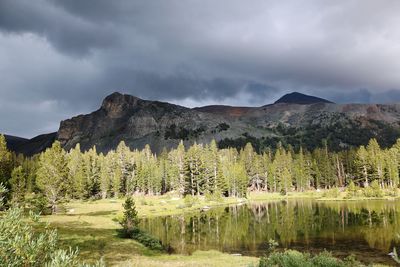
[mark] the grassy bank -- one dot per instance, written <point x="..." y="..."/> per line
<point x="91" y="226"/>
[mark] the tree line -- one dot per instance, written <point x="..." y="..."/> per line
<point x="57" y="175"/>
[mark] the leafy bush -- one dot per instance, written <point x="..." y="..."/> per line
<point x="147" y="239"/>
<point x="368" y="192"/>
<point x="394" y="192"/>
<point x="374" y="190"/>
<point x="332" y="193"/>
<point x="189" y="200"/>
<point x="21" y="245"/>
<point x="352" y="190"/>
<point x="40" y="205"/>
<point x="293" y="258"/>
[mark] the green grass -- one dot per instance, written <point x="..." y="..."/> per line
<point x="253" y="196"/>
<point x="91" y="226"/>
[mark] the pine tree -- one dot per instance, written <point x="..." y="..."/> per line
<point x="163" y="168"/>
<point x="173" y="172"/>
<point x="105" y="176"/>
<point x="362" y="165"/>
<point x="282" y="164"/>
<point x="375" y="160"/>
<point x="92" y="173"/>
<point x="76" y="172"/>
<point x="116" y="182"/>
<point x="194" y="165"/>
<point x="18" y="184"/>
<point x="130" y="219"/>
<point x="180" y="160"/>
<point x="52" y="175"/>
<point x="326" y="167"/>
<point x="316" y="174"/>
<point x="392" y="164"/>
<point x="5" y="161"/>
<point x="237" y="179"/>
<point x="125" y="164"/>
<point x="301" y="171"/>
<point x="211" y="167"/>
<point x="286" y="180"/>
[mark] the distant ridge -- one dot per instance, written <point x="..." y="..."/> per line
<point x="32" y="146"/>
<point x="302" y="99"/>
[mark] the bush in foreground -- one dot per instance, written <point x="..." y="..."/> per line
<point x="293" y="258"/>
<point x="147" y="240"/>
<point x="22" y="245"/>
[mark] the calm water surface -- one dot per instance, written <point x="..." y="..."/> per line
<point x="367" y="229"/>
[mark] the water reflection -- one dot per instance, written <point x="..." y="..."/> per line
<point x="367" y="229"/>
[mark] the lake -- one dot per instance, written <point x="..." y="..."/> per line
<point x="367" y="229"/>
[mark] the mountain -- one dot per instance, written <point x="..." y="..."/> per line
<point x="302" y="99"/>
<point x="14" y="141"/>
<point x="32" y="146"/>
<point x="295" y="119"/>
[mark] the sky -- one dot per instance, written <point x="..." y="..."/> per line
<point x="61" y="58"/>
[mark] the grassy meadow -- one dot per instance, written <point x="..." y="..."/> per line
<point x="92" y="226"/>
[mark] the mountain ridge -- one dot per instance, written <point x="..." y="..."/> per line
<point x="122" y="117"/>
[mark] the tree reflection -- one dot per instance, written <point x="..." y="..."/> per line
<point x="301" y="224"/>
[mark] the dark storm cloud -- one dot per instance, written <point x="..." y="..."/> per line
<point x="59" y="58"/>
<point x="67" y="32"/>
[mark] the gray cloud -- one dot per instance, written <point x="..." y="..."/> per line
<point x="60" y="58"/>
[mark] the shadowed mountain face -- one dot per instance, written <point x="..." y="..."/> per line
<point x="295" y="119"/>
<point x="302" y="99"/>
<point x="32" y="146"/>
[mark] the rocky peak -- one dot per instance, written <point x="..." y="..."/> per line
<point x="117" y="104"/>
<point x="302" y="99"/>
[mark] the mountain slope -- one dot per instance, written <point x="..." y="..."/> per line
<point x="14" y="141"/>
<point x="32" y="146"/>
<point x="302" y="99"/>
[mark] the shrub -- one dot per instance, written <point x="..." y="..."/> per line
<point x="293" y="258"/>
<point x="40" y="205"/>
<point x="189" y="200"/>
<point x="351" y="190"/>
<point x="368" y="192"/>
<point x="22" y="245"/>
<point x="374" y="190"/>
<point x="393" y="192"/>
<point x="332" y="193"/>
<point x="147" y="239"/>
